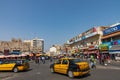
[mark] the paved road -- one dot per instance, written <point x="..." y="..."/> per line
<point x="42" y="72"/>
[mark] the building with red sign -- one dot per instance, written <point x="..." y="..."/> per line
<point x="87" y="42"/>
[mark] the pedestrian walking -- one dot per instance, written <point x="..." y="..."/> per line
<point x="36" y="60"/>
<point x="43" y="59"/>
<point x="103" y="59"/>
<point x="92" y="62"/>
<point x="39" y="59"/>
<point x="99" y="58"/>
<point x="51" y="59"/>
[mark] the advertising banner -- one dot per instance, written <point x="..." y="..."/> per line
<point x="115" y="42"/>
<point x="111" y="30"/>
<point x="114" y="51"/>
<point x="103" y="47"/>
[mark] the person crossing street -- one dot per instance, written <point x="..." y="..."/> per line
<point x="43" y="59"/>
<point x="92" y="62"/>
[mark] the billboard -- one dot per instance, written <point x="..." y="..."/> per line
<point x="111" y="30"/>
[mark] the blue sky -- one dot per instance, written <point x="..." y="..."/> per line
<point x="55" y="21"/>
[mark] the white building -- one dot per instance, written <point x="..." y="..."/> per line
<point x="36" y="44"/>
<point x="53" y="51"/>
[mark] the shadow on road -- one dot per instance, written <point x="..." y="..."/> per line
<point x="78" y="77"/>
<point x="83" y="76"/>
<point x="25" y="70"/>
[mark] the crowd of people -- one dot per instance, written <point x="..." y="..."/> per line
<point x="102" y="59"/>
<point x="93" y="59"/>
<point x="40" y="59"/>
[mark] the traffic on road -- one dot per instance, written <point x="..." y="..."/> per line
<point x="42" y="71"/>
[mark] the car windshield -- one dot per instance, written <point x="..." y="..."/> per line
<point x="75" y="60"/>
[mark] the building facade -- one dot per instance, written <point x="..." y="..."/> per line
<point x="35" y="45"/>
<point x="87" y="42"/>
<point x="111" y="41"/>
<point x="38" y="45"/>
<point x="13" y="45"/>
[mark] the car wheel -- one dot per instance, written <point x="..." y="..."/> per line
<point x="52" y="70"/>
<point x="70" y="74"/>
<point x="15" y="70"/>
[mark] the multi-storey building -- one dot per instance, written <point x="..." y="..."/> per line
<point x="111" y="41"/>
<point x="88" y="41"/>
<point x="56" y="50"/>
<point x="13" y="45"/>
<point x="36" y="45"/>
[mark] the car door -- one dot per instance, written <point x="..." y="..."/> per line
<point x="57" y="66"/>
<point x="1" y="65"/>
<point x="6" y="66"/>
<point x="64" y="66"/>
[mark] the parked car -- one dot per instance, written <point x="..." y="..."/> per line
<point x="14" y="65"/>
<point x="70" y="66"/>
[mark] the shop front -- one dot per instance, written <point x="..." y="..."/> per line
<point x="104" y="50"/>
<point x="84" y="52"/>
<point x="93" y="50"/>
<point x="76" y="52"/>
<point x="112" y="34"/>
<point x="114" y="51"/>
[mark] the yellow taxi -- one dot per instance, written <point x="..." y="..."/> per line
<point x="70" y="66"/>
<point x="14" y="65"/>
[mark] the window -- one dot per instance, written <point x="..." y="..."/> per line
<point x="65" y="62"/>
<point x="72" y="61"/>
<point x="58" y="62"/>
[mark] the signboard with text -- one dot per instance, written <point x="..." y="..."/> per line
<point x="111" y="30"/>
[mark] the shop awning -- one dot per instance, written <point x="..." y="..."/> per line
<point x="104" y="52"/>
<point x="93" y="52"/>
<point x="114" y="49"/>
<point x="111" y="35"/>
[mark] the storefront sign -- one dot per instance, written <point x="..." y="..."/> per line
<point x="103" y="47"/>
<point x="93" y="47"/>
<point x="90" y="31"/>
<point x="93" y="52"/>
<point x="104" y="52"/>
<point x="75" y="39"/>
<point x="92" y="34"/>
<point x="115" y="42"/>
<point x="114" y="51"/>
<point x="111" y="30"/>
